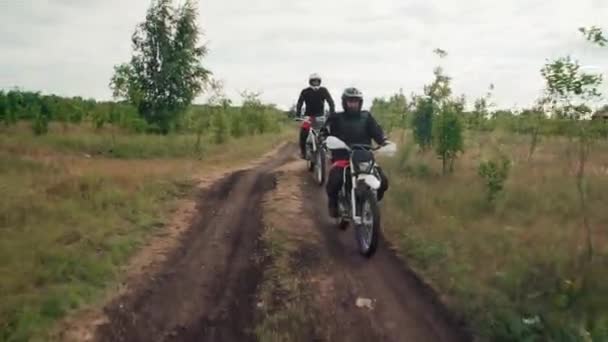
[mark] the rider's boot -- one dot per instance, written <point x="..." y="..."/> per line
<point x="333" y="208"/>
<point x="303" y="150"/>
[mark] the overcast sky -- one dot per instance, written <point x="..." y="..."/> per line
<point x="69" y="47"/>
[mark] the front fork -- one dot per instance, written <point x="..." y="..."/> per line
<point x="353" y="198"/>
<point x="355" y="214"/>
<point x="311" y="140"/>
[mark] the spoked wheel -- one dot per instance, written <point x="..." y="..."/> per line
<point x="310" y="165"/>
<point x="368" y="230"/>
<point x="320" y="165"/>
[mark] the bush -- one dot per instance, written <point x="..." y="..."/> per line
<point x="391" y="113"/>
<point x="238" y="126"/>
<point x="494" y="175"/>
<point x="3" y="109"/>
<point x="448" y="135"/>
<point x="40" y="124"/>
<point x="220" y="127"/>
<point x="422" y="122"/>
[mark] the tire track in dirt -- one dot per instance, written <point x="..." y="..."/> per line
<point x="301" y="297"/>
<point x="327" y="276"/>
<point x="204" y="291"/>
<point x="404" y="307"/>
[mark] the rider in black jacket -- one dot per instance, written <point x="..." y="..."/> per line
<point x="314" y="97"/>
<point x="353" y="126"/>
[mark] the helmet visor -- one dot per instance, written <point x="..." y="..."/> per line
<point x="315" y="82"/>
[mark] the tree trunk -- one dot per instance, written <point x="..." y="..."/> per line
<point x="452" y="159"/>
<point x="533" y="143"/>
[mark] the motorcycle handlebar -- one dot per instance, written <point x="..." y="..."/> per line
<point x="365" y="147"/>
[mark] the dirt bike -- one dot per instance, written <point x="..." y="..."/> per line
<point x="357" y="199"/>
<point x="316" y="160"/>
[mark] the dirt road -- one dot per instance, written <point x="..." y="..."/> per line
<point x="222" y="282"/>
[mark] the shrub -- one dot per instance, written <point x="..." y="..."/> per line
<point x="494" y="174"/>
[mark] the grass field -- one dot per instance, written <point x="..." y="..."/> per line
<point x="78" y="203"/>
<point x="514" y="268"/>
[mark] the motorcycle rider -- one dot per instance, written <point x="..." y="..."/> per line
<point x="314" y="97"/>
<point x="353" y="126"/>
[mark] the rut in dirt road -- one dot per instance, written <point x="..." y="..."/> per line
<point x="205" y="290"/>
<point x="404" y="307"/>
<point x="316" y="282"/>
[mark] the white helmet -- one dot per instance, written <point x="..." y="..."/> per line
<point x="314" y="80"/>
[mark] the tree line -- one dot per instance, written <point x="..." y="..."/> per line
<point x="39" y="109"/>
<point x="438" y="118"/>
<point x="155" y="90"/>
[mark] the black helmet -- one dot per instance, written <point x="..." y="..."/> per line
<point x="352" y="93"/>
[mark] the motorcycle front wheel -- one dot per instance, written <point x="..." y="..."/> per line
<point x="310" y="164"/>
<point x="368" y="230"/>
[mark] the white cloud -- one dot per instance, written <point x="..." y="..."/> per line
<point x="70" y="46"/>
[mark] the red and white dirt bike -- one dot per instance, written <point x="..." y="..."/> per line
<point x="316" y="160"/>
<point x="357" y="199"/>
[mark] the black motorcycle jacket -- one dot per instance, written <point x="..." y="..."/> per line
<point x="315" y="102"/>
<point x="354" y="128"/>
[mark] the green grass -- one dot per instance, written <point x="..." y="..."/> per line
<point x="104" y="143"/>
<point x="504" y="264"/>
<point x="68" y="222"/>
<point x="287" y="312"/>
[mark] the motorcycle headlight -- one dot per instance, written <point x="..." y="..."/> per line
<point x="365" y="167"/>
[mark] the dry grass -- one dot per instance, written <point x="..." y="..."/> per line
<point x="68" y="222"/>
<point x="286" y="301"/>
<point x="519" y="258"/>
<point x="79" y="141"/>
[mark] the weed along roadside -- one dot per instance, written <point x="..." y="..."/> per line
<point x="503" y="244"/>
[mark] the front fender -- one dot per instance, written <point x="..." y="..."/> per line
<point x="372" y="181"/>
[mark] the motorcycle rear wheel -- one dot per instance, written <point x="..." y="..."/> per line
<point x="320" y="167"/>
